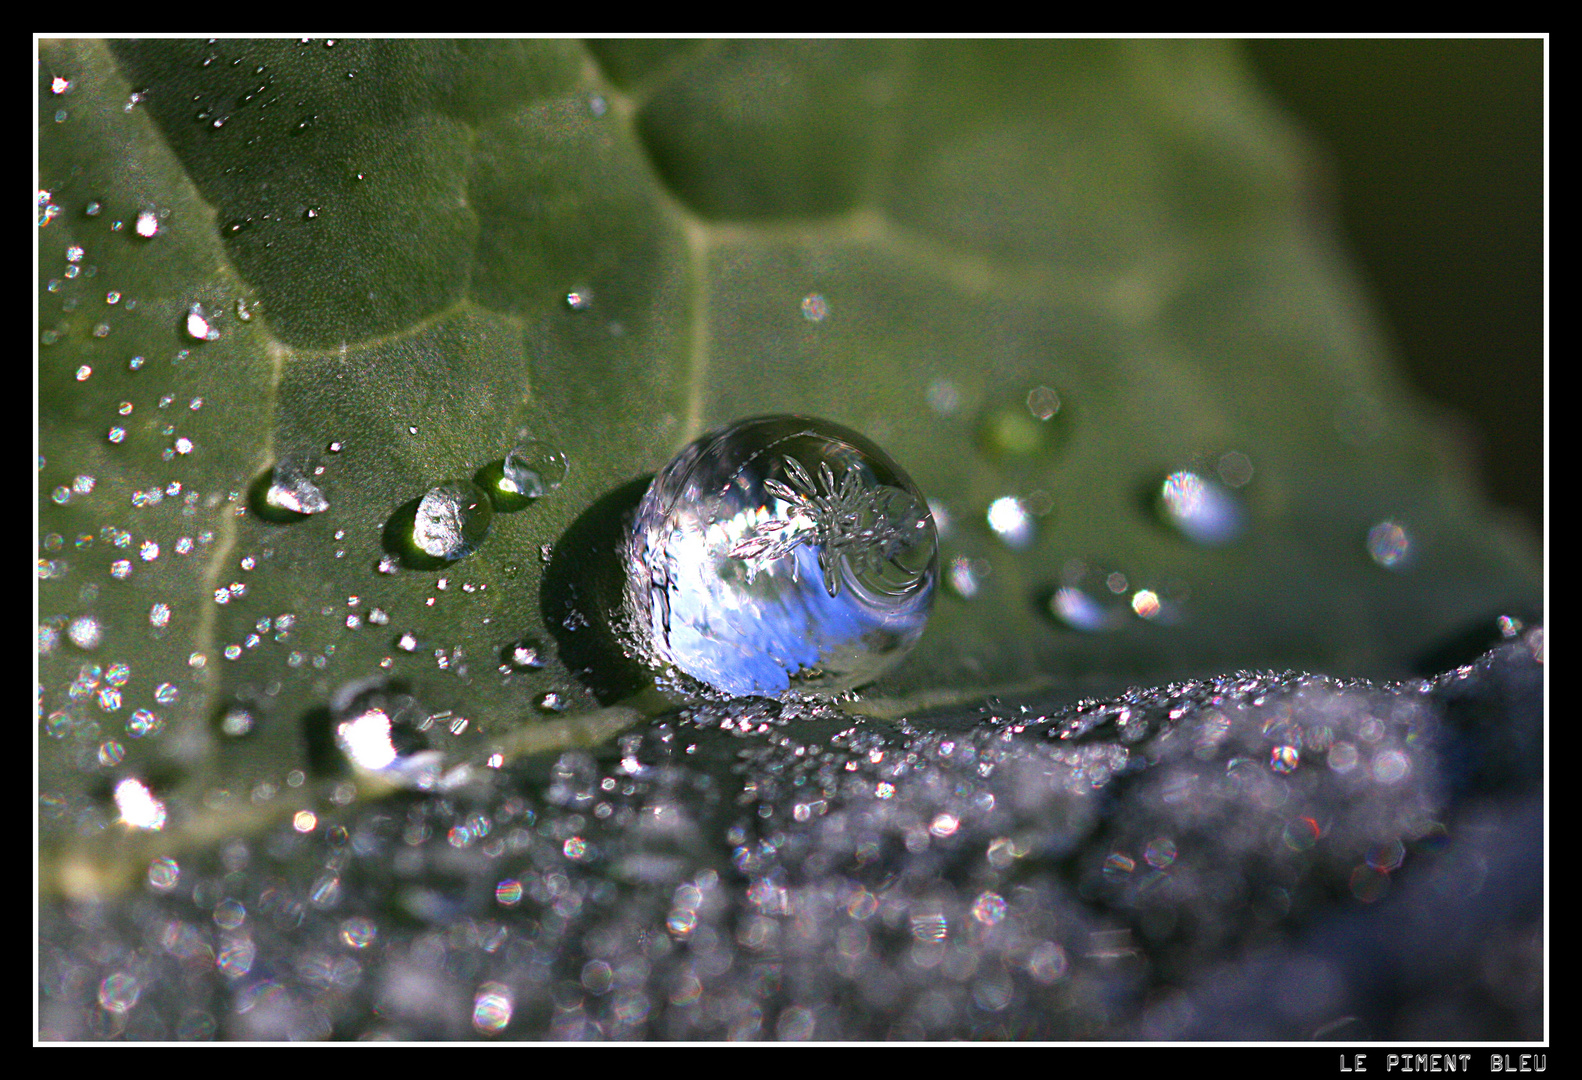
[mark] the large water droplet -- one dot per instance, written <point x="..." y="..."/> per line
<point x="452" y="520"/>
<point x="780" y="551"/>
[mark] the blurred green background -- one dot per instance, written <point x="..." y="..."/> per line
<point x="1433" y="155"/>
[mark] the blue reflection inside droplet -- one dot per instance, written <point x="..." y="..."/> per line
<point x="781" y="551"/>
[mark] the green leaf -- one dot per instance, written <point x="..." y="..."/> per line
<point x="383" y="236"/>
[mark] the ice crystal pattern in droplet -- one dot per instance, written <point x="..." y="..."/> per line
<point x="781" y="552"/>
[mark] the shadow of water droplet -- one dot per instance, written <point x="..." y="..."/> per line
<point x="582" y="593"/>
<point x="491" y="479"/>
<point x="318" y="743"/>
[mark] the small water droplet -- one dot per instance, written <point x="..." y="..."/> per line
<point x="388" y="733"/>
<point x="1043" y="402"/>
<point x="815" y="308"/>
<point x="966" y="576"/>
<point x="236" y="721"/>
<point x="119" y="993"/>
<point x="1081" y="611"/>
<point x="1146" y="604"/>
<point x="1389" y="545"/>
<point x="492" y="1006"/>
<point x="144" y="724"/>
<point x="1039" y="424"/>
<point x="198" y="326"/>
<point x="59" y="84"/>
<point x="1202" y="510"/>
<point x="452" y="520"/>
<point x="85" y="632"/>
<point x="147" y="225"/>
<point x="1010" y="519"/>
<point x="524" y="655"/>
<point x="138" y="807"/>
<point x="781" y="550"/>
<point x="579" y="300"/>
<point x="291" y="490"/>
<point x="533" y="469"/>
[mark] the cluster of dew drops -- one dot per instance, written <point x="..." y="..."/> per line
<point x="451" y="521"/>
<point x="1204" y="503"/>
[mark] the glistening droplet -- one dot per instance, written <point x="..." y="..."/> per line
<point x="289" y="491"/>
<point x="198" y="324"/>
<point x="386" y="733"/>
<point x="1202" y="510"/>
<point x="1390" y="545"/>
<point x="780" y="552"/>
<point x="533" y="469"/>
<point x="452" y="520"/>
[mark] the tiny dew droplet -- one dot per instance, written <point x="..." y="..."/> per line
<point x="1089" y="599"/>
<point x="1043" y="402"/>
<point x="1390" y="545"/>
<point x="236" y="721"/>
<point x="1038" y="424"/>
<point x="147" y="224"/>
<point x="815" y="308"/>
<point x="452" y="520"/>
<point x="780" y="552"/>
